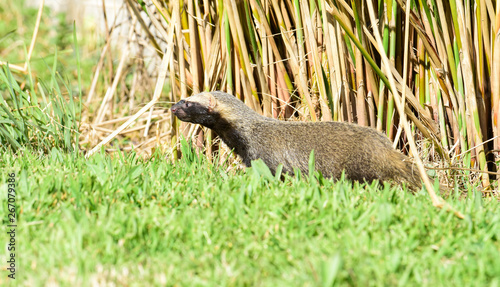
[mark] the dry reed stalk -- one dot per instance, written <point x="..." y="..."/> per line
<point x="179" y="38"/>
<point x="118" y="76"/>
<point x="495" y="70"/>
<point x="97" y="71"/>
<point x="318" y="74"/>
<point x="333" y="62"/>
<point x="195" y="63"/>
<point x="405" y="72"/>
<point x="154" y="139"/>
<point x="117" y="120"/>
<point x="174" y="131"/>
<point x="214" y="64"/>
<point x="241" y="49"/>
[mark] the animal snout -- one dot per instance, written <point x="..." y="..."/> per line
<point x="176" y="107"/>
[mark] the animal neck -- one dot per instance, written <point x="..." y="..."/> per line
<point x="237" y="135"/>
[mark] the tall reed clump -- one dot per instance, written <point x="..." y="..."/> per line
<point x="320" y="60"/>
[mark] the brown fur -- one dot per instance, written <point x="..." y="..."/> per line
<point x="363" y="153"/>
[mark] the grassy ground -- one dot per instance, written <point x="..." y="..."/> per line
<point x="136" y="222"/>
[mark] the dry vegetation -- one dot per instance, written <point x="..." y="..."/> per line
<point x="308" y="60"/>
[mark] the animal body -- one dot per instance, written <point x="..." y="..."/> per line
<point x="361" y="152"/>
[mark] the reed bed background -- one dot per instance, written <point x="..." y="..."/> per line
<point x="305" y="60"/>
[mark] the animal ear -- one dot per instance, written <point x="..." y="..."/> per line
<point x="212" y="102"/>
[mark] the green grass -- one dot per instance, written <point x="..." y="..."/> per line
<point x="138" y="222"/>
<point x="40" y="118"/>
<point x="42" y="109"/>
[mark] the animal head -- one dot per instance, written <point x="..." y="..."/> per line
<point x="209" y="108"/>
<point x="197" y="109"/>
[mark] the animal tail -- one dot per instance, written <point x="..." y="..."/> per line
<point x="412" y="176"/>
<point x="414" y="180"/>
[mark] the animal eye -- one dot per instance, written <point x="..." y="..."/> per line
<point x="188" y="104"/>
